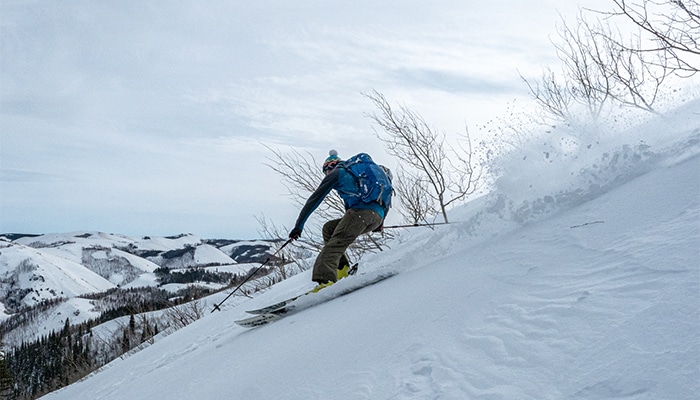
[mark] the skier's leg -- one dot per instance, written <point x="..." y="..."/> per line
<point x="328" y="229"/>
<point x="353" y="224"/>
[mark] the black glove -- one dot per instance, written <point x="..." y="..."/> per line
<point x="295" y="233"/>
<point x="380" y="228"/>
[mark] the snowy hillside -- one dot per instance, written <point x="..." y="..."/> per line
<point x="49" y="266"/>
<point x="62" y="266"/>
<point x="578" y="277"/>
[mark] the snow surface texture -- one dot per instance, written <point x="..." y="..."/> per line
<point x="583" y="286"/>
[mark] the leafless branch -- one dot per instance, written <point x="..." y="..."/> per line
<point x="408" y="137"/>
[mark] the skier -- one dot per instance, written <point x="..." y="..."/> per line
<point x="360" y="216"/>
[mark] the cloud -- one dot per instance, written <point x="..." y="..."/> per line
<point x="153" y="115"/>
<point x="454" y="83"/>
<point x="16" y="175"/>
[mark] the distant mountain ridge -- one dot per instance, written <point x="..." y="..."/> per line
<point x="36" y="268"/>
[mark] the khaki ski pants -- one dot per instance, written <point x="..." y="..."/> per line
<point x="338" y="234"/>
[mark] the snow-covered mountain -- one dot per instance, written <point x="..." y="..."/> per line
<point x="39" y="268"/>
<point x="577" y="277"/>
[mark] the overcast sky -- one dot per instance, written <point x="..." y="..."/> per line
<point x="152" y="117"/>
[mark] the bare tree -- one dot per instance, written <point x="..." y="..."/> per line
<point x="184" y="314"/>
<point x="447" y="172"/>
<point x="601" y="66"/>
<point x="584" y="60"/>
<point x="553" y="95"/>
<point x="672" y="27"/>
<point x="597" y="72"/>
<point x="414" y="192"/>
<point x="301" y="175"/>
<point x="630" y="78"/>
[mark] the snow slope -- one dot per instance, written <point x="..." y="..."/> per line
<point x="70" y="264"/>
<point x="62" y="266"/>
<point x="48" y="275"/>
<point x="585" y="292"/>
<point x="77" y="309"/>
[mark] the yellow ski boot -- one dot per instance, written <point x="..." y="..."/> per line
<point x="321" y="286"/>
<point x="346" y="271"/>
<point x="343" y="272"/>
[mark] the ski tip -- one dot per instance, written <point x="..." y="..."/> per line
<point x="274" y="307"/>
<point x="258" y="320"/>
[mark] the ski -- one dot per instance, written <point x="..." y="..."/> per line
<point x="274" y="307"/>
<point x="308" y="300"/>
<point x="259" y="320"/>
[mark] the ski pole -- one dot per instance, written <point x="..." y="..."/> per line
<point x="216" y="307"/>
<point x="415" y="225"/>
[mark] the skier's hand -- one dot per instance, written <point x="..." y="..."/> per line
<point x="379" y="229"/>
<point x="295" y="234"/>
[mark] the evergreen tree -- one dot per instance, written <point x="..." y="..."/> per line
<point x="5" y="376"/>
<point x="126" y="342"/>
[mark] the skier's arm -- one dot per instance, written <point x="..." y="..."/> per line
<point x="327" y="184"/>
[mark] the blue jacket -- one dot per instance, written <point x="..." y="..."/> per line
<point x="346" y="185"/>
